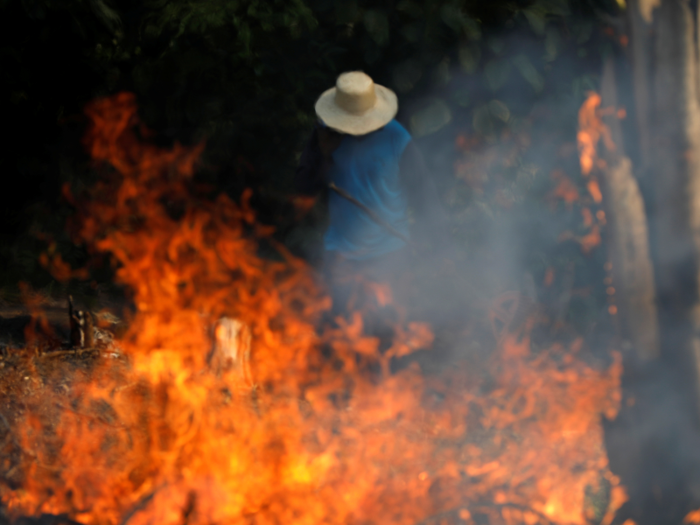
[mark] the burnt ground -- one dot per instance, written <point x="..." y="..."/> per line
<point x="26" y="370"/>
<point x="652" y="445"/>
<point x="29" y="373"/>
<point x="15" y="316"/>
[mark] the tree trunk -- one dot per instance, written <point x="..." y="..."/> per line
<point x="675" y="176"/>
<point x="653" y="444"/>
<point x="628" y="238"/>
<point x="640" y="29"/>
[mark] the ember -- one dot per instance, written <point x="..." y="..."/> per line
<point x="318" y="429"/>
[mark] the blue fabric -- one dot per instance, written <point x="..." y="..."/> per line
<point x="367" y="167"/>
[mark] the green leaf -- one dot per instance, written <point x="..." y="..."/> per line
<point x="583" y="32"/>
<point x="346" y="12"/>
<point x="497" y="45"/>
<point x="583" y="84"/>
<point x="552" y="41"/>
<point x="411" y="32"/>
<point x="499" y="110"/>
<point x="411" y="8"/>
<point x="441" y="74"/>
<point x="407" y="74"/>
<point x="528" y="71"/>
<point x="462" y="98"/>
<point x="244" y="37"/>
<point x="469" y="58"/>
<point x="482" y="120"/>
<point x="496" y="72"/>
<point x="552" y="7"/>
<point x="452" y="16"/>
<point x="107" y="15"/>
<point x="372" y="52"/>
<point x="536" y="18"/>
<point x="431" y="118"/>
<point x="472" y="28"/>
<point x="377" y="26"/>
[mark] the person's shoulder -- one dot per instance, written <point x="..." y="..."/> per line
<point x="398" y="133"/>
<point x="394" y="126"/>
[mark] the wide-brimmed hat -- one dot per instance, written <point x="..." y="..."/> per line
<point x="356" y="105"/>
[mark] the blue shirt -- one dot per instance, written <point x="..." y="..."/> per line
<point x="367" y="167"/>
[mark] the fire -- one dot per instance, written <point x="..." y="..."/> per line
<point x="591" y="131"/>
<point x="317" y="428"/>
<point x="565" y="188"/>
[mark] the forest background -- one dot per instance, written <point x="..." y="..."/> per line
<point x="473" y="78"/>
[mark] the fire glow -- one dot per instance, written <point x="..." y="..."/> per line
<point x="321" y="430"/>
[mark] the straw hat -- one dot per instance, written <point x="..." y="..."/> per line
<point x="356" y="105"/>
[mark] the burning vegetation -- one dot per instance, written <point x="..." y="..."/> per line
<point x="232" y="398"/>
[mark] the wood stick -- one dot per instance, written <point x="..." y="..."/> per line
<point x="72" y="352"/>
<point x="372" y="214"/>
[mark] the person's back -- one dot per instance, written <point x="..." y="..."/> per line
<point x="373" y="173"/>
<point x="367" y="167"/>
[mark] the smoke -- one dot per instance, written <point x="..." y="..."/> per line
<point x="497" y="141"/>
<point x="514" y="243"/>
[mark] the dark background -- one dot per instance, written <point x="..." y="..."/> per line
<point x="243" y="76"/>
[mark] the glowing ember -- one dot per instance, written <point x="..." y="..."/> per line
<point x="591" y="130"/>
<point x="565" y="189"/>
<point x="326" y="433"/>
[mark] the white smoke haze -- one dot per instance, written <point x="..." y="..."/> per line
<point x="510" y="246"/>
<point x="511" y="272"/>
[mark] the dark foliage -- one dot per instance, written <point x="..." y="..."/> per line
<point x="243" y="76"/>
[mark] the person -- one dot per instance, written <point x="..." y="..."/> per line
<point x="376" y="182"/>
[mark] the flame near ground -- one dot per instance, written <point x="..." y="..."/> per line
<point x="327" y="433"/>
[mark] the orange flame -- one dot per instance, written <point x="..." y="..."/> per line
<point x="565" y="189"/>
<point x="328" y="433"/>
<point x="591" y="130"/>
